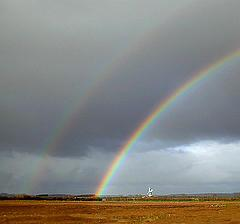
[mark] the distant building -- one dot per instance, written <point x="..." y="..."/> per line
<point x="150" y="192"/>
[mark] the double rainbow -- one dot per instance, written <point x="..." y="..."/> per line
<point x="72" y="113"/>
<point x="155" y="114"/>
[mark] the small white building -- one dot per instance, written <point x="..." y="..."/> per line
<point x="150" y="192"/>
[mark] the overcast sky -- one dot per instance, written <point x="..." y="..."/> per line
<point x="77" y="78"/>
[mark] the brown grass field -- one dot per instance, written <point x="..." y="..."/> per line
<point x="119" y="212"/>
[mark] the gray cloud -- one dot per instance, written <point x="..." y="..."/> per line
<point x="172" y="56"/>
<point x="206" y="166"/>
<point x="51" y="52"/>
<point x="57" y="56"/>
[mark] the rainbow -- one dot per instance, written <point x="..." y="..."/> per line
<point x="70" y="116"/>
<point x="155" y="114"/>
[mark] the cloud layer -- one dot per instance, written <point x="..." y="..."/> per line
<point x="207" y="166"/>
<point x="77" y="77"/>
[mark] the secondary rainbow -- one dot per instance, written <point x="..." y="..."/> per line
<point x="154" y="115"/>
<point x="71" y="114"/>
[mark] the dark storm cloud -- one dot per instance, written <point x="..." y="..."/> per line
<point x="67" y="174"/>
<point x="169" y="58"/>
<point x="54" y="52"/>
<point x="51" y="51"/>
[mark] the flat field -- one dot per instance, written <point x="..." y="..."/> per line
<point x="119" y="212"/>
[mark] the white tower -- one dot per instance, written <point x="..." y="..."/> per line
<point x="150" y="192"/>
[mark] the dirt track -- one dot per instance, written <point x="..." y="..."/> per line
<point x="119" y="212"/>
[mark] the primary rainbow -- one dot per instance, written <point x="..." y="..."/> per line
<point x="71" y="114"/>
<point x="154" y="115"/>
